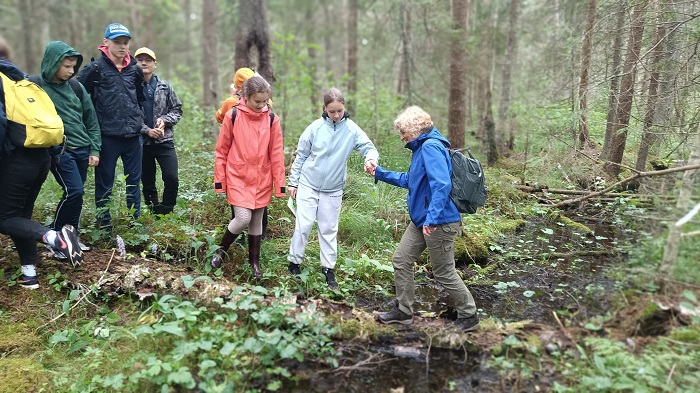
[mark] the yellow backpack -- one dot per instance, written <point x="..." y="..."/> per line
<point x="32" y="120"/>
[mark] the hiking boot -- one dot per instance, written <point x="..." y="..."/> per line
<point x="67" y="243"/>
<point x="218" y="258"/>
<point x="330" y="277"/>
<point x="29" y="282"/>
<point x="294" y="268"/>
<point x="83" y="246"/>
<point x="395" y="316"/>
<point x="468" y="324"/>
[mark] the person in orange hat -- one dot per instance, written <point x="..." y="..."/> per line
<point x="242" y="75"/>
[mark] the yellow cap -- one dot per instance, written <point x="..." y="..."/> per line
<point x="242" y="75"/>
<point x="145" y="51"/>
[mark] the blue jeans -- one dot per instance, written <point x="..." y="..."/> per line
<point x="164" y="154"/>
<point x="70" y="171"/>
<point x="22" y="172"/>
<point x="131" y="151"/>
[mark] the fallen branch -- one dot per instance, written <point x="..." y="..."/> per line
<point x="625" y="181"/>
<point x="97" y="286"/>
<point x="583" y="192"/>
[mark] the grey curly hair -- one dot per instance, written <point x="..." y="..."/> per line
<point x="413" y="121"/>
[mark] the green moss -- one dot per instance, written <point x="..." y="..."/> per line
<point x="576" y="226"/>
<point x="17" y="338"/>
<point x="21" y="375"/>
<point x="471" y="247"/>
<point x="359" y="328"/>
<point x="688" y="334"/>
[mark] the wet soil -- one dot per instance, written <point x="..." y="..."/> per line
<point x="547" y="280"/>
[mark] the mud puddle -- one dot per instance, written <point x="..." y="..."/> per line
<point x="543" y="269"/>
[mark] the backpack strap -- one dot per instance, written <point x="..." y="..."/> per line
<point x="74" y="84"/>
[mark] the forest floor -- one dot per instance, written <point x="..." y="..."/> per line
<point x="530" y="307"/>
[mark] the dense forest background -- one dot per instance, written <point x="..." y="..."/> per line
<point x="583" y="263"/>
<point x="591" y="73"/>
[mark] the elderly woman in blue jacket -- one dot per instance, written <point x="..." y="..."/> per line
<point x="318" y="177"/>
<point x="435" y="221"/>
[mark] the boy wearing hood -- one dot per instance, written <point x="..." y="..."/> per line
<point x="115" y="84"/>
<point x="82" y="131"/>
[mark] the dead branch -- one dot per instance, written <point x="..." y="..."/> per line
<point x="583" y="192"/>
<point x="85" y="294"/>
<point x="625" y="181"/>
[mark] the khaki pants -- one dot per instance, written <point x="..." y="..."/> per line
<point x="440" y="246"/>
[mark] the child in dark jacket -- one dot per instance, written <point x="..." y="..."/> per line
<point x="162" y="110"/>
<point x="22" y="172"/>
<point x="115" y="84"/>
<point x="69" y="165"/>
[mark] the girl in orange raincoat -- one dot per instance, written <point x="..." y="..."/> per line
<point x="249" y="162"/>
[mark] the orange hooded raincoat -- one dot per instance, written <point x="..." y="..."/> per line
<point x="250" y="158"/>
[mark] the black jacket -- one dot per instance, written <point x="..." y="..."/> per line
<point x="118" y="96"/>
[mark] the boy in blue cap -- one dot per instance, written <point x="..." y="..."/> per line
<point x="115" y="83"/>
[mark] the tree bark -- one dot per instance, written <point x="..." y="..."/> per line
<point x="511" y="57"/>
<point x="404" y="82"/>
<point x="490" y="130"/>
<point x="619" y="131"/>
<point x="352" y="52"/>
<point x="614" y="83"/>
<point x="648" y="134"/>
<point x="253" y="38"/>
<point x="583" y="133"/>
<point x="458" y="70"/>
<point x="668" y="263"/>
<point x="31" y="63"/>
<point x="210" y="53"/>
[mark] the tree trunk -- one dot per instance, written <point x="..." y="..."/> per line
<point x="352" y="52"/>
<point x="583" y="134"/>
<point x="614" y="83"/>
<point x="313" y="59"/>
<point x="458" y="74"/>
<point x="619" y="131"/>
<point x="511" y="57"/>
<point x="210" y="53"/>
<point x="404" y="83"/>
<point x="31" y="63"/>
<point x="253" y="38"/>
<point x="668" y="262"/>
<point x="648" y="134"/>
<point x="490" y="130"/>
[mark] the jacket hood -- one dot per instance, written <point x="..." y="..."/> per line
<point x="54" y="54"/>
<point x="328" y="119"/>
<point x="242" y="106"/>
<point x="105" y="51"/>
<point x="433" y="134"/>
<point x="10" y="70"/>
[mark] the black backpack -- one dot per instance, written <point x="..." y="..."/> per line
<point x="469" y="189"/>
<point x="74" y="84"/>
<point x="235" y="110"/>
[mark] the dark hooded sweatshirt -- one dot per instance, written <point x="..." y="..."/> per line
<point x="79" y="119"/>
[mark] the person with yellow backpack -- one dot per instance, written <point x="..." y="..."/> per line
<point x="23" y="170"/>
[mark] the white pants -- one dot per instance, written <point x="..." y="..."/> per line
<point x="323" y="207"/>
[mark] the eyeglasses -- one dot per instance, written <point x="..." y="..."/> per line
<point x="145" y="59"/>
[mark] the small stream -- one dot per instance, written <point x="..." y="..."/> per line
<point x="543" y="268"/>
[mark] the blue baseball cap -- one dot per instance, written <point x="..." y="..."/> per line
<point x="115" y="30"/>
